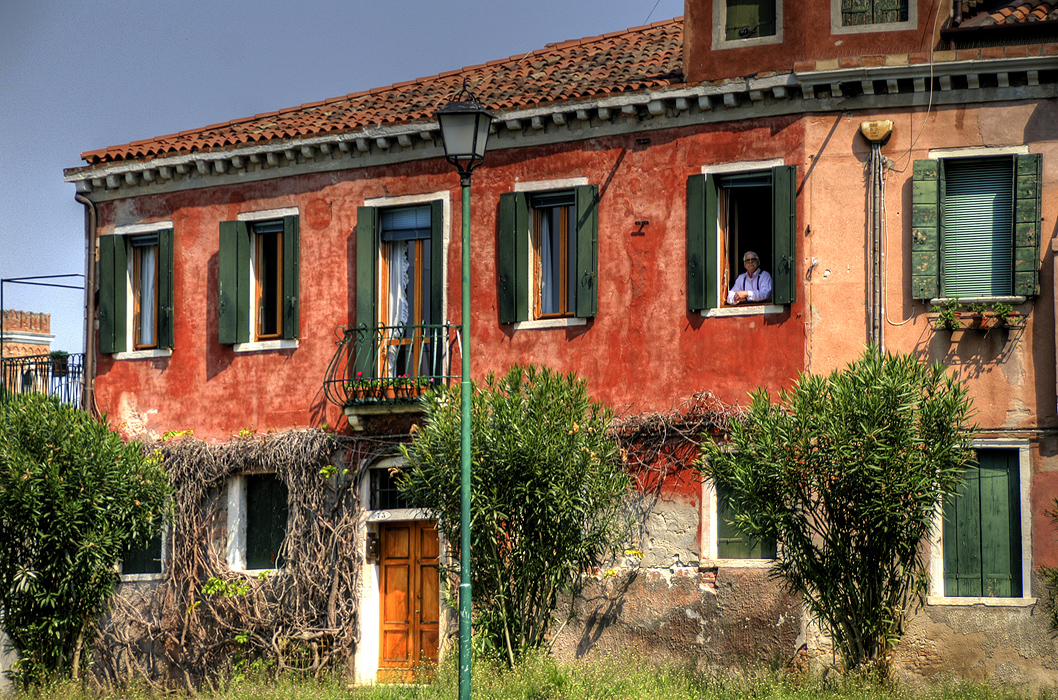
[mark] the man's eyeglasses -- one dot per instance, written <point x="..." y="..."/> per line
<point x="750" y="259"/>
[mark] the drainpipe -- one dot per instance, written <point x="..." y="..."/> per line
<point x="877" y="133"/>
<point x="89" y="378"/>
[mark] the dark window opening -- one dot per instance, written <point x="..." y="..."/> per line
<point x="268" y="268"/>
<point x="745" y="224"/>
<point x="384" y="492"/>
<point x="266" y="520"/>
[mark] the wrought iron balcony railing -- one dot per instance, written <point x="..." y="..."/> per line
<point x="44" y="374"/>
<point x="389" y="364"/>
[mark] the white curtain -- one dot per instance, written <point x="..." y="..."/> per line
<point x="548" y="301"/>
<point x="399" y="301"/>
<point x="147" y="301"/>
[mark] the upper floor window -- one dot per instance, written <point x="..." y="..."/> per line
<point x="400" y="286"/>
<point x="749" y="19"/>
<point x="741" y="221"/>
<point x="976" y="227"/>
<point x="258" y="265"/>
<point x="136" y="292"/>
<point x="548" y="254"/>
<point x="860" y="12"/>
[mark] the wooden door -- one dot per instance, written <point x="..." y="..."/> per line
<point x="410" y="599"/>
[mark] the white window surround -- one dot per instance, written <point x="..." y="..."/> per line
<point x="977" y="152"/>
<point x="152" y="353"/>
<point x="263" y="345"/>
<point x="741" y="310"/>
<point x="837" y="28"/>
<point x="539" y="324"/>
<point x="710" y="549"/>
<point x="936" y="550"/>
<point x="720" y="40"/>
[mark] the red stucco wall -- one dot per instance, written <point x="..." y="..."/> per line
<point x="642" y="352"/>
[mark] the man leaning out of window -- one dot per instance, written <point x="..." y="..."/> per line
<point x="753" y="285"/>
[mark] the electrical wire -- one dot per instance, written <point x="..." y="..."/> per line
<point x="929" y="103"/>
<point x="652" y="12"/>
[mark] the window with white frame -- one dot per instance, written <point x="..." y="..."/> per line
<point x="736" y="214"/>
<point x="548" y="254"/>
<point x="984" y="551"/>
<point x="257" y="521"/>
<point x="741" y="23"/>
<point x="258" y="265"/>
<point x="136" y="291"/>
<point x="140" y="563"/>
<point x="722" y="539"/>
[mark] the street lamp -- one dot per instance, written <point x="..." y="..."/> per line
<point x="465" y="132"/>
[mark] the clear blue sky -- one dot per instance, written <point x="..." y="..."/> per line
<point x="77" y="76"/>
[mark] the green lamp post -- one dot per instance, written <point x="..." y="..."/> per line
<point x="465" y="132"/>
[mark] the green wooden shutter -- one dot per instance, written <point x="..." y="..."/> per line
<point x="982" y="530"/>
<point x="856" y="12"/>
<point x="234" y="279"/>
<point x="587" y="218"/>
<point x="113" y="285"/>
<point x="886" y="11"/>
<point x="784" y="234"/>
<point x="925" y="229"/>
<point x="266" y="520"/>
<point x="437" y="262"/>
<point x="976" y="227"/>
<point x="513" y="243"/>
<point x="755" y="17"/>
<point x="696" y="243"/>
<point x="291" y="276"/>
<point x="367" y="247"/>
<point x="143" y="560"/>
<point x="712" y="233"/>
<point x="731" y="543"/>
<point x="1027" y="202"/>
<point x="166" y="318"/>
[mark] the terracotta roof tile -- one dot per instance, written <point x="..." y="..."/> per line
<point x="634" y="59"/>
<point x="1011" y="12"/>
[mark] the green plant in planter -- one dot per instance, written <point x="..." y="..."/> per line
<point x="948" y="315"/>
<point x="977" y="308"/>
<point x="59" y="362"/>
<point x="1002" y="311"/>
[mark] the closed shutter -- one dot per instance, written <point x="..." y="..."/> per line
<point x="165" y="289"/>
<point x="982" y="530"/>
<point x="513" y="243"/>
<point x="291" y="272"/>
<point x="731" y="543"/>
<point x="587" y="218"/>
<point x="1027" y="225"/>
<point x="113" y="284"/>
<point x="859" y="12"/>
<point x="925" y="229"/>
<point x="437" y="262"/>
<point x="977" y="227"/>
<point x="266" y="520"/>
<point x="784" y="233"/>
<point x="234" y="279"/>
<point x="749" y="19"/>
<point x="696" y="244"/>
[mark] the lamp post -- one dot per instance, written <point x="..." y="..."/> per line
<point x="465" y="132"/>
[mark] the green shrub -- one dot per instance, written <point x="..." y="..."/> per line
<point x="73" y="499"/>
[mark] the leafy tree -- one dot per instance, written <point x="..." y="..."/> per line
<point x="73" y="499"/>
<point x="846" y="473"/>
<point x="1050" y="574"/>
<point x="547" y="487"/>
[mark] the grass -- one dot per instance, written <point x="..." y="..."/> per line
<point x="541" y="678"/>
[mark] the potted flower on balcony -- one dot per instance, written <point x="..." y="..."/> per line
<point x="60" y="362"/>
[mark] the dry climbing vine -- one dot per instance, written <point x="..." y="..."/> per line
<point x="302" y="616"/>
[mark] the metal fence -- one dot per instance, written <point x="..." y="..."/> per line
<point x="43" y="374"/>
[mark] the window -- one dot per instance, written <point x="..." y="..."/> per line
<point x="731" y="213"/>
<point x="732" y="544"/>
<point x="982" y="530"/>
<point x="257" y="521"/>
<point x="258" y="265"/>
<point x="548" y="254"/>
<point x="976" y="227"/>
<point x="399" y="288"/>
<point x="384" y="493"/>
<point x="859" y="12"/>
<point x="136" y="292"/>
<point x="144" y="562"/>
<point x="749" y="19"/>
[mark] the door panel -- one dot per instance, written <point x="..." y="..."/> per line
<point x="410" y="599"/>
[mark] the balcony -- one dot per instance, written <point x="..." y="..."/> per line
<point x="384" y="369"/>
<point x="60" y="376"/>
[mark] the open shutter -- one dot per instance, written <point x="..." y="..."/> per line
<point x="925" y="229"/>
<point x="696" y="244"/>
<point x="437" y="262"/>
<point x="513" y="243"/>
<point x="165" y="289"/>
<point x="784" y="233"/>
<point x="1027" y="225"/>
<point x="113" y="283"/>
<point x="587" y="217"/>
<point x="291" y="280"/>
<point x="367" y="247"/>
<point x="234" y="273"/>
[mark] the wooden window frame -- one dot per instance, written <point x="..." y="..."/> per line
<point x="567" y="212"/>
<point x="262" y="267"/>
<point x="137" y="294"/>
